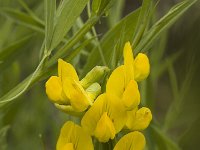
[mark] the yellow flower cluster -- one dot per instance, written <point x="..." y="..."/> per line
<point x="104" y="115"/>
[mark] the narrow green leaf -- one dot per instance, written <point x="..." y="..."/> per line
<point x="163" y="24"/>
<point x="23" y="19"/>
<point x="68" y="12"/>
<point x="74" y="40"/>
<point x="143" y="21"/>
<point x="99" y="6"/>
<point x="115" y="13"/>
<point x="115" y="38"/>
<point x="50" y="11"/>
<point x="23" y="86"/>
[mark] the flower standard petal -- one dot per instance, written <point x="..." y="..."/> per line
<point x="128" y="63"/>
<point x="141" y="67"/>
<point x="79" y="99"/>
<point x="74" y="137"/>
<point x="66" y="70"/>
<point x="116" y="82"/>
<point x="131" y="96"/>
<point x="131" y="141"/>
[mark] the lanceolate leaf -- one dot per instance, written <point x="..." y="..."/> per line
<point x="164" y="23"/>
<point x="143" y="21"/>
<point x="24" y="85"/>
<point x="50" y="11"/>
<point x="66" y="15"/>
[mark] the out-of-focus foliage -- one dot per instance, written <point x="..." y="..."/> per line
<point x="34" y="34"/>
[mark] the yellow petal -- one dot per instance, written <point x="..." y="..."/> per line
<point x="116" y="112"/>
<point x="132" y="141"/>
<point x="66" y="70"/>
<point x="74" y="134"/>
<point x="140" y="119"/>
<point x="131" y="95"/>
<point x="92" y="116"/>
<point x="79" y="99"/>
<point x="116" y="82"/>
<point x="105" y="129"/>
<point x="105" y="103"/>
<point x="54" y="90"/>
<point x="68" y="146"/>
<point x="131" y="115"/>
<point x="141" y="67"/>
<point x="128" y="63"/>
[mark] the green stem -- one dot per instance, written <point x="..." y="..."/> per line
<point x="97" y="39"/>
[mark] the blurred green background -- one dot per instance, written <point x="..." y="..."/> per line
<point x="172" y="90"/>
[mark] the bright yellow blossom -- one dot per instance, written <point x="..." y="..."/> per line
<point x="73" y="137"/>
<point x="105" y="118"/>
<point x="67" y="92"/>
<point x="122" y="81"/>
<point x="131" y="141"/>
<point x="138" y="68"/>
<point x="129" y="94"/>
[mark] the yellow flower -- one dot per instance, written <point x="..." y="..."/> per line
<point x="131" y="141"/>
<point x="138" y="119"/>
<point x="66" y="91"/>
<point x="73" y="137"/>
<point x="138" y="68"/>
<point x="129" y="94"/>
<point x="105" y="118"/>
<point x="122" y="81"/>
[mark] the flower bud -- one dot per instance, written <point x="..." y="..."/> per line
<point x="93" y="76"/>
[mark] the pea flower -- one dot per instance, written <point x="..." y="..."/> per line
<point x="138" y="68"/>
<point x="122" y="81"/>
<point x="131" y="141"/>
<point x="105" y="118"/>
<point x="73" y="137"/>
<point x="68" y="93"/>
